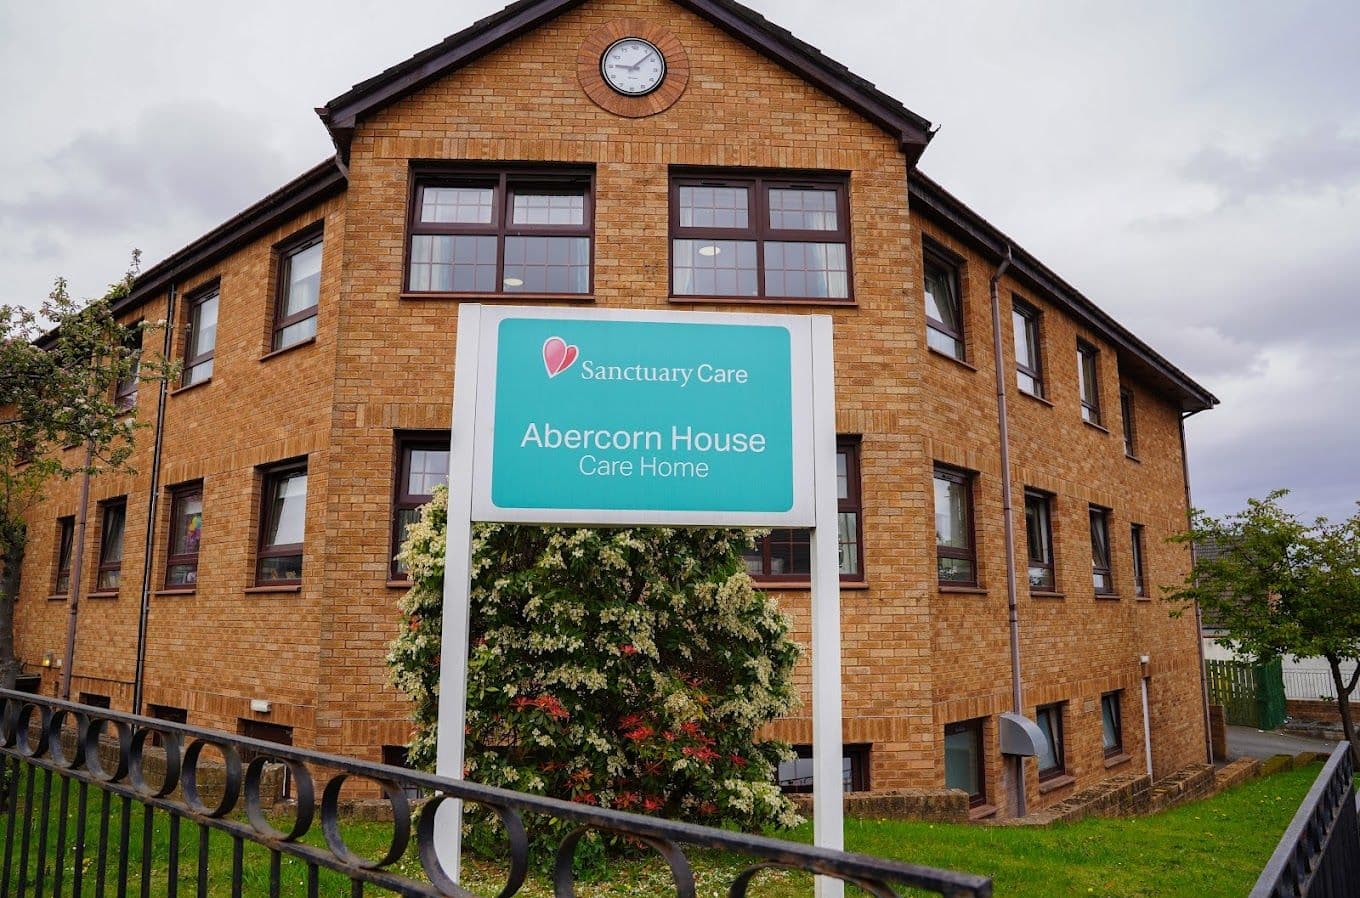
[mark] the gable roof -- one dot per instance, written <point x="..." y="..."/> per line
<point x="342" y="114"/>
<point x="929" y="198"/>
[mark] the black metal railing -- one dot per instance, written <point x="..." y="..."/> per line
<point x="1319" y="854"/>
<point x="74" y="779"/>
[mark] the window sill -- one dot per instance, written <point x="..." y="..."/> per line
<point x="278" y="352"/>
<point x="763" y="301"/>
<point x="1116" y="760"/>
<point x="494" y="297"/>
<point x="281" y="587"/>
<point x="1054" y="783"/>
<point x="1100" y="427"/>
<point x="957" y="361"/>
<point x="1046" y="594"/>
<point x="182" y="591"/>
<point x="58" y="598"/>
<point x="1035" y="396"/>
<point x="981" y="812"/>
<point x="399" y="584"/>
<point x="777" y="585"/>
<point x="1107" y="597"/>
<point x="1142" y="597"/>
<point x="966" y="590"/>
<point x="187" y="387"/>
<point x="103" y="594"/>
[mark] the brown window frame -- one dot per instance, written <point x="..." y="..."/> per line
<point x="1055" y="711"/>
<point x="1090" y="404"/>
<point x="852" y="504"/>
<point x="106" y="566"/>
<point x="1103" y="515"/>
<point x="192" y="306"/>
<point x="935" y="255"/>
<point x="978" y="726"/>
<point x="271" y="476"/>
<point x="1052" y="564"/>
<point x="284" y="252"/>
<point x="856" y="753"/>
<point x="968" y="480"/>
<point x="758" y="229"/>
<point x="96" y="700"/>
<point x="406" y="442"/>
<point x="1136" y="551"/>
<point x="1126" y="417"/>
<point x="66" y="537"/>
<point x="1032" y="320"/>
<point x="178" y="496"/>
<point x="125" y="390"/>
<point x="1115" y="697"/>
<point x="503" y="182"/>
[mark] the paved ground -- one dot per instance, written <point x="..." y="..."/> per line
<point x="1253" y="743"/>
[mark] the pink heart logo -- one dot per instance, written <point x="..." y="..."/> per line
<point x="558" y="356"/>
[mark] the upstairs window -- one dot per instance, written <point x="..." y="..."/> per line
<point x="760" y="237"/>
<point x="1028" y="363"/>
<point x="200" y="342"/>
<point x="1136" y="547"/>
<point x="113" y="523"/>
<point x="955" y="547"/>
<point x="507" y="232"/>
<point x="66" y="531"/>
<point x="422" y="465"/>
<point x="1088" y="381"/>
<point x="786" y="554"/>
<point x="1039" y="531"/>
<point x="186" y="532"/>
<point x="125" y="391"/>
<point x="299" y="291"/>
<point x="944" y="305"/>
<point x="283" y="523"/>
<point x="1102" y="575"/>
<point x="1126" y="414"/>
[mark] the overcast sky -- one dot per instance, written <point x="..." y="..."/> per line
<point x="1192" y="167"/>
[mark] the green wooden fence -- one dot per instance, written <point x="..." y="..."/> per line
<point x="1251" y="694"/>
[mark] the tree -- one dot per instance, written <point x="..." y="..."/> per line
<point x="626" y="668"/>
<point x="59" y="372"/>
<point x="1281" y="586"/>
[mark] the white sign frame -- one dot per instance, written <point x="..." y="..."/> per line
<point x="815" y="505"/>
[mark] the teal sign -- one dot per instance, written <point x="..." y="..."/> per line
<point x="629" y="415"/>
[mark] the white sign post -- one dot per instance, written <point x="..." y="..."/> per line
<point x="630" y="418"/>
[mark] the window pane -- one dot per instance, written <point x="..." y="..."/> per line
<point x="65" y="535"/>
<point x="1039" y="532"/>
<point x="806" y="270"/>
<point x="181" y="575"/>
<point x="848" y="526"/>
<point x="1024" y="349"/>
<point x="956" y="570"/>
<point x="428" y="468"/>
<point x="548" y="209"/>
<point x="842" y="475"/>
<point x="802" y="210"/>
<point x="714" y="207"/>
<point x="303" y="280"/>
<point x="453" y="263"/>
<point x="203" y="328"/>
<point x="952" y="527"/>
<point x="1109" y="721"/>
<point x="456" y="205"/>
<point x="942" y="342"/>
<point x="288" y="513"/>
<point x="755" y="560"/>
<point x="279" y="567"/>
<point x="295" y="333"/>
<point x="942" y="302"/>
<point x="405" y="518"/>
<point x="790" y="552"/>
<point x="1048" y="755"/>
<point x="111" y="540"/>
<point x="1027" y="383"/>
<point x="547" y="264"/>
<point x="198" y="373"/>
<point x="715" y="268"/>
<point x="1100" y="540"/>
<point x="961" y="753"/>
<point x="188" y="526"/>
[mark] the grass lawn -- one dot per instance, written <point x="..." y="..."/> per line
<point x="1207" y="849"/>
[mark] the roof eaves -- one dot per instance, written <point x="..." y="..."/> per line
<point x="929" y="197"/>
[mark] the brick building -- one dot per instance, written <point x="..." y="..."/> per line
<point x="642" y="153"/>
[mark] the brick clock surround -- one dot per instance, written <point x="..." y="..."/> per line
<point x="283" y="589"/>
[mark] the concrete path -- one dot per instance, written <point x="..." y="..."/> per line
<point x="1247" y="742"/>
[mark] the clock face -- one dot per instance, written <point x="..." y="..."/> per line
<point x="633" y="66"/>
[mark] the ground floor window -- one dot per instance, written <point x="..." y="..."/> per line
<point x="265" y="732"/>
<point x="796" y="775"/>
<point x="1051" y="761"/>
<point x="1112" y="724"/>
<point x="94" y="700"/>
<point x="963" y="759"/>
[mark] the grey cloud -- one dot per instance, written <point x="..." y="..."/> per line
<point x="1320" y="160"/>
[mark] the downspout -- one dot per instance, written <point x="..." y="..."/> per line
<point x="77" y="574"/>
<point x="1147" y="721"/>
<point x="1017" y="694"/>
<point x="152" y="506"/>
<point x="1199" y="623"/>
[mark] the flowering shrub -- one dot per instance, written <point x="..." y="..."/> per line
<point x="626" y="669"/>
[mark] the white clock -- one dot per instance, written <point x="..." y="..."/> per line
<point x="633" y="67"/>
